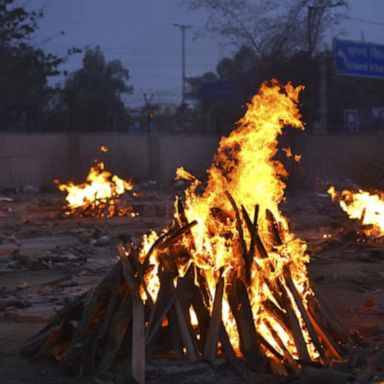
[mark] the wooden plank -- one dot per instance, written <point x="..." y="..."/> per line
<point x="138" y="341"/>
<point x="210" y="348"/>
<point x="117" y="330"/>
<point x="189" y="345"/>
<point x="295" y="328"/>
<point x="333" y="348"/>
<point x="241" y="309"/>
<point x="304" y="314"/>
<point x="273" y="228"/>
<point x="138" y="321"/>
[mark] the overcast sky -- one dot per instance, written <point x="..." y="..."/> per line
<point x="141" y="34"/>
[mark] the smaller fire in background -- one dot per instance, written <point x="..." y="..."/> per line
<point x="101" y="195"/>
<point x="364" y="206"/>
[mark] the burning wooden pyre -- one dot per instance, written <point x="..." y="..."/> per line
<point x="101" y="195"/>
<point x="226" y="279"/>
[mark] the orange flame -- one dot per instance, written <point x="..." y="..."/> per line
<point x="362" y="205"/>
<point x="100" y="188"/>
<point x="244" y="166"/>
<point x="289" y="154"/>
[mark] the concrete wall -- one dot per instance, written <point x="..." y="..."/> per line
<point x="36" y="159"/>
<point x="340" y="156"/>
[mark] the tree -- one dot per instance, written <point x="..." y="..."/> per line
<point x="24" y="69"/>
<point x="222" y="95"/>
<point x="272" y="28"/>
<point x="93" y="94"/>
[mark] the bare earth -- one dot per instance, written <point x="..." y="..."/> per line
<point x="44" y="259"/>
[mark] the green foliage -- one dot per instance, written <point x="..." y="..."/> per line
<point x="93" y="94"/>
<point x="24" y="69"/>
<point x="16" y="24"/>
<point x="246" y="71"/>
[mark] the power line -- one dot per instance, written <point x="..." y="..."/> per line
<point x="366" y="21"/>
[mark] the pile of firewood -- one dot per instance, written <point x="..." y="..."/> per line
<point x="111" y="328"/>
<point x="106" y="207"/>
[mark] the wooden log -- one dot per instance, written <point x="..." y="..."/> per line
<point x="273" y="227"/>
<point x="53" y="339"/>
<point x="227" y="348"/>
<point x="113" y="303"/>
<point x="132" y="256"/>
<point x="324" y="316"/>
<point x="138" y="341"/>
<point x="191" y="296"/>
<point x="295" y="328"/>
<point x="80" y="352"/>
<point x="332" y="348"/>
<point x="177" y="234"/>
<point x="226" y="345"/>
<point x="80" y="361"/>
<point x="279" y="316"/>
<point x="243" y="245"/>
<point x="277" y="367"/>
<point x="203" y="285"/>
<point x="116" y="333"/>
<point x="33" y="346"/>
<point x="154" y="246"/>
<point x="175" y="334"/>
<point x="304" y="314"/>
<point x="183" y="221"/>
<point x="210" y="349"/>
<point x="241" y="309"/>
<point x="269" y="347"/>
<point x="260" y="247"/>
<point x="138" y="321"/>
<point x="189" y="345"/>
<point x="70" y="312"/>
<point x="165" y="300"/>
<point x="252" y="229"/>
<point x="289" y="360"/>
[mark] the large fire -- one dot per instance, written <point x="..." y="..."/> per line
<point x="244" y="171"/>
<point x="364" y="206"/>
<point x="98" y="195"/>
<point x="228" y="276"/>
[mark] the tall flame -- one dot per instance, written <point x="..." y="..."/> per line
<point x="362" y="205"/>
<point x="244" y="166"/>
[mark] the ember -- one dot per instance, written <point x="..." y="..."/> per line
<point x="100" y="195"/>
<point x="364" y="206"/>
<point x="227" y="278"/>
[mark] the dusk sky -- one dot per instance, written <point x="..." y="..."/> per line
<point x="141" y="34"/>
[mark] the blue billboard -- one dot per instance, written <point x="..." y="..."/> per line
<point x="218" y="90"/>
<point x="353" y="58"/>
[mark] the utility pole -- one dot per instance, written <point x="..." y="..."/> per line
<point x="151" y="137"/>
<point x="149" y="115"/>
<point x="315" y="13"/>
<point x="183" y="29"/>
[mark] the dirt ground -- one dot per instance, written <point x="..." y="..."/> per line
<point x="44" y="259"/>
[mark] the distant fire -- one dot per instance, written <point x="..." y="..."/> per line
<point x="100" y="195"/>
<point x="364" y="206"/>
